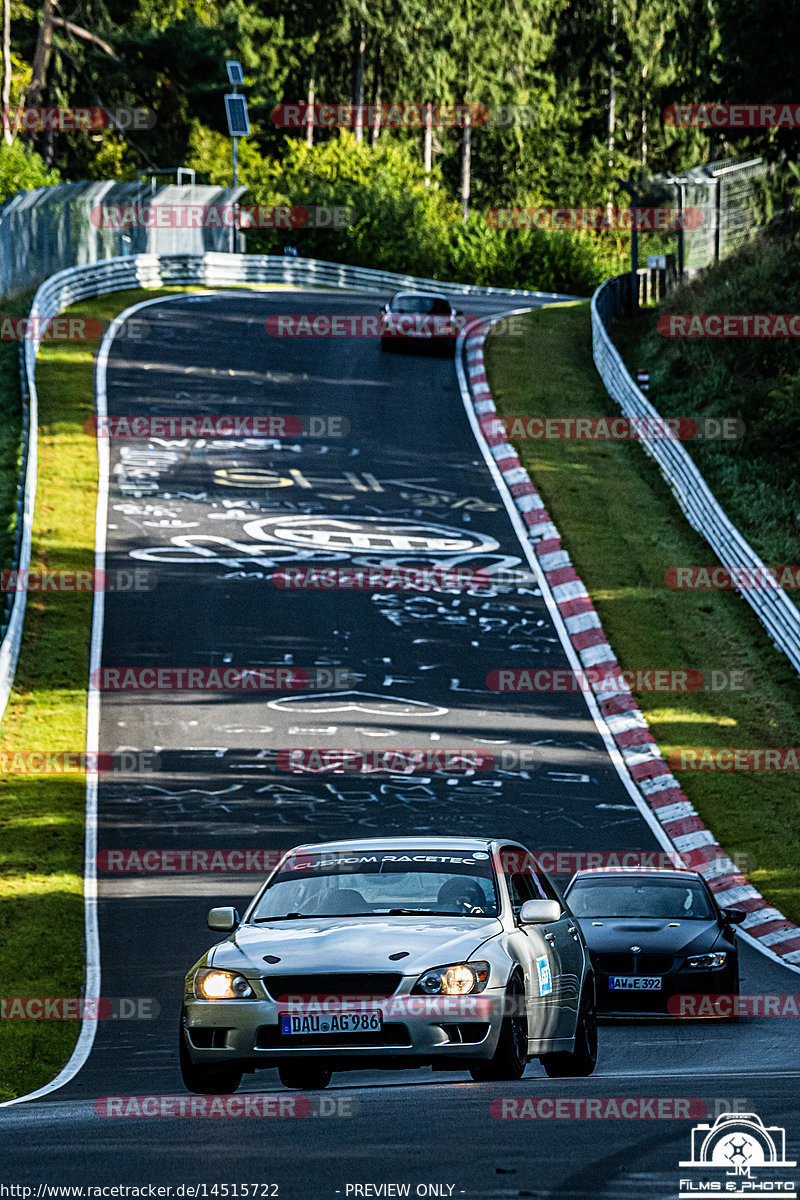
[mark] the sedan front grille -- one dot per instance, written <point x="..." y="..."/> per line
<point x="635" y="964"/>
<point x="380" y="984"/>
<point x="654" y="964"/>
<point x="615" y="964"/>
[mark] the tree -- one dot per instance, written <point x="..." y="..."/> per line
<point x="22" y="170"/>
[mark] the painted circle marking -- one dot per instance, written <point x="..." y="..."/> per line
<point x="359" y="535"/>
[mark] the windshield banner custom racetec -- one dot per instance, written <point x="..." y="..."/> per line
<point x="374" y="862"/>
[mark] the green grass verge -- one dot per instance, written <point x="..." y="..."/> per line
<point x="42" y="817"/>
<point x="623" y="529"/>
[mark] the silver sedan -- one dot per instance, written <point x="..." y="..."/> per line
<point x="390" y="953"/>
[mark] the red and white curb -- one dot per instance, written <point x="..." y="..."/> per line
<point x="696" y="845"/>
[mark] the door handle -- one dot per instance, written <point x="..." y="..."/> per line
<point x="573" y="930"/>
<point x="549" y="937"/>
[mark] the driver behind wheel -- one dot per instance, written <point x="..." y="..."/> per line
<point x="461" y="895"/>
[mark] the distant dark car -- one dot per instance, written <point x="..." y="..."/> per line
<point x="422" y="320"/>
<point x="655" y="936"/>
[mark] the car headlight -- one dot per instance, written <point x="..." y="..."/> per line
<point x="461" y="979"/>
<point x="210" y="984"/>
<point x="717" y="958"/>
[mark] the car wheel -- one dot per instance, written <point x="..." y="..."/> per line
<point x="207" y="1079"/>
<point x="583" y="1059"/>
<point x="511" y="1056"/>
<point x="304" y="1077"/>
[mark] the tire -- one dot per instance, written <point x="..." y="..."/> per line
<point x="583" y="1059"/>
<point x="511" y="1056"/>
<point x="207" y="1079"/>
<point x="304" y="1076"/>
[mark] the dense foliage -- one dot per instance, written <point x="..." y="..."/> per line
<point x="592" y="78"/>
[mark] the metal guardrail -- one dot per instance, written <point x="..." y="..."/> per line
<point x="8" y="602"/>
<point x="306" y="272"/>
<point x="212" y="270"/>
<point x="779" y="616"/>
<point x="234" y="270"/>
<point x="14" y="609"/>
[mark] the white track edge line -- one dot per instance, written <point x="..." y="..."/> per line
<point x="86" y="1036"/>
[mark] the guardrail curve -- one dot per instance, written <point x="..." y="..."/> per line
<point x="777" y="613"/>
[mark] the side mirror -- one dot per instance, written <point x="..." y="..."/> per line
<point x="734" y="916"/>
<point x="222" y="920"/>
<point x="539" y="912"/>
<point x="384" y="308"/>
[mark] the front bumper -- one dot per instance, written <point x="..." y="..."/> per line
<point x="439" y="344"/>
<point x="416" y="1030"/>
<point x="679" y="997"/>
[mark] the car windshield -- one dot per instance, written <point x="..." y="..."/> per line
<point x="436" y="305"/>
<point x="673" y="899"/>
<point x="355" y="883"/>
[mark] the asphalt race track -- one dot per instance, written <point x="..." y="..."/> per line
<point x="210" y="522"/>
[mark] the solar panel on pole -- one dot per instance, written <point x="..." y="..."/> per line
<point x="238" y="117"/>
<point x="238" y="124"/>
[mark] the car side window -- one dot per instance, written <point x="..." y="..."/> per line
<point x="548" y="891"/>
<point x="523" y="881"/>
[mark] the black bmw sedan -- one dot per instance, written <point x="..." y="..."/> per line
<point x="659" y="942"/>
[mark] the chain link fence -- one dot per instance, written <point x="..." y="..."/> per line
<point x="47" y="230"/>
<point x="53" y="228"/>
<point x="723" y="206"/>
